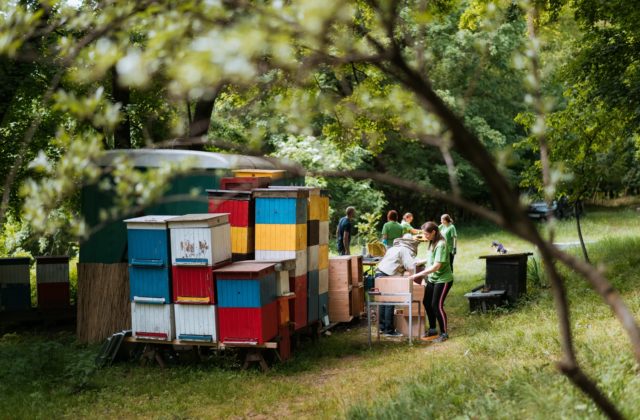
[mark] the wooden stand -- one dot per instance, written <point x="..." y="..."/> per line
<point x="254" y="352"/>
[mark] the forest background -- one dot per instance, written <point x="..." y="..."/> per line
<point x="78" y="79"/>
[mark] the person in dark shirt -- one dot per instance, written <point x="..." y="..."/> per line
<point x="343" y="234"/>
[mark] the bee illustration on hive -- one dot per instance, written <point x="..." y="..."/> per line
<point x="188" y="248"/>
<point x="204" y="246"/>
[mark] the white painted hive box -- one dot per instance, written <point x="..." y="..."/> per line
<point x="196" y="323"/>
<point x="200" y="239"/>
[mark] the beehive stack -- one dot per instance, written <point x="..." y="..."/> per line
<point x="281" y="234"/>
<point x="340" y="289"/>
<point x="152" y="312"/>
<point x="52" y="277"/>
<point x="247" y="305"/>
<point x="15" y="289"/>
<point x="240" y="206"/>
<point x="318" y="246"/>
<point x="244" y="183"/>
<point x="199" y="242"/>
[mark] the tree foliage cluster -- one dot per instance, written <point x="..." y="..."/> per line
<point x="251" y="79"/>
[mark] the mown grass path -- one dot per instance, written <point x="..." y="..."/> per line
<point x="498" y="365"/>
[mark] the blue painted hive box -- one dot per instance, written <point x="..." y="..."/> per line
<point x="281" y="206"/>
<point x="246" y="285"/>
<point x="149" y="258"/>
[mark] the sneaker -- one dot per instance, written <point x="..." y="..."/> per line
<point x="441" y="338"/>
<point x="431" y="334"/>
<point x="393" y="334"/>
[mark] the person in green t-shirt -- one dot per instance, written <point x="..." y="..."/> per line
<point x="439" y="282"/>
<point x="392" y="229"/>
<point x="448" y="230"/>
<point x="406" y="224"/>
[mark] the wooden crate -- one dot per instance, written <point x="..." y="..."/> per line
<point x="340" y="309"/>
<point x="356" y="270"/>
<point x="414" y="308"/>
<point x="340" y="273"/>
<point x="402" y="325"/>
<point x="357" y="300"/>
<point x="393" y="284"/>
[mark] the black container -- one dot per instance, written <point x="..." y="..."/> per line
<point x="507" y="272"/>
<point x="484" y="301"/>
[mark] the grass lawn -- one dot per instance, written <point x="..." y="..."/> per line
<point x="497" y="365"/>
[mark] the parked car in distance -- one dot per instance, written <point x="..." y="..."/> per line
<point x="539" y="210"/>
<point x="561" y="209"/>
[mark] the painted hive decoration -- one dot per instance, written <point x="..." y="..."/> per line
<point x="198" y="243"/>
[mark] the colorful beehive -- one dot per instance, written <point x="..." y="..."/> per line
<point x="281" y="233"/>
<point x="300" y="258"/>
<point x="298" y="306"/>
<point x="15" y="289"/>
<point x="260" y="173"/>
<point x="196" y="322"/>
<point x="247" y="305"/>
<point x="285" y="270"/>
<point x="244" y="183"/>
<point x="313" y="294"/>
<point x="149" y="258"/>
<point x="198" y="243"/>
<point x="200" y="239"/>
<point x="52" y="277"/>
<point x="154" y="321"/>
<point x="240" y="206"/>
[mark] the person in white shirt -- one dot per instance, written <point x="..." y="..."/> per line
<point x="398" y="259"/>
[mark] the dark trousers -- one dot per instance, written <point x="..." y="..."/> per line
<point x="385" y="321"/>
<point x="341" y="249"/>
<point x="433" y="302"/>
<point x="451" y="261"/>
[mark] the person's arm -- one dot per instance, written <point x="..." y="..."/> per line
<point x="384" y="234"/>
<point x="432" y="269"/>
<point x="454" y="240"/>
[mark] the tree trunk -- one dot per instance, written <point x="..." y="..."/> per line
<point x="122" y="132"/>
<point x="199" y="126"/>
<point x="576" y="209"/>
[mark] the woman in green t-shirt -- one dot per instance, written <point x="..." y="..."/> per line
<point x="392" y="229"/>
<point x="438" y="284"/>
<point x="448" y="230"/>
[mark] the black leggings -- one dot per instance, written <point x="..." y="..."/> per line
<point x="433" y="303"/>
